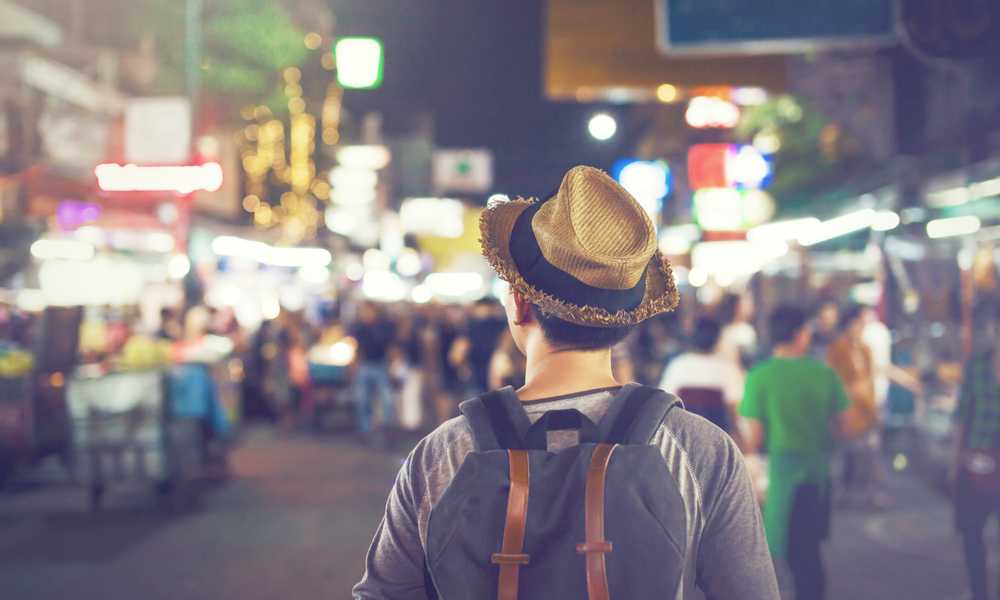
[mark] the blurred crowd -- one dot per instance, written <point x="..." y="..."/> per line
<point x="402" y="366"/>
<point x="411" y="365"/>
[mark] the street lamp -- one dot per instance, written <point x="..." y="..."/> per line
<point x="602" y="126"/>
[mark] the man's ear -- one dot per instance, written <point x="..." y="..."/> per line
<point x="522" y="309"/>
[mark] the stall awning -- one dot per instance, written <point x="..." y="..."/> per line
<point x="19" y="23"/>
<point x="60" y="81"/>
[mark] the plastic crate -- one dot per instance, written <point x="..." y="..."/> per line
<point x="325" y="373"/>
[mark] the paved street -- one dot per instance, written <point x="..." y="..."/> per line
<point x="296" y="517"/>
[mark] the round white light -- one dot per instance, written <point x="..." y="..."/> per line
<point x="697" y="277"/>
<point x="354" y="271"/>
<point x="408" y="263"/>
<point x="230" y="295"/>
<point x="270" y="308"/>
<point x="422" y="294"/>
<point x="603" y="126"/>
<point x="341" y="354"/>
<point x="178" y="267"/>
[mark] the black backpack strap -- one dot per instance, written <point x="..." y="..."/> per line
<point x="429" y="589"/>
<point x="497" y="420"/>
<point x="558" y="420"/>
<point x="637" y="416"/>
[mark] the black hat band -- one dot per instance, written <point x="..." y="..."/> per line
<point x="538" y="272"/>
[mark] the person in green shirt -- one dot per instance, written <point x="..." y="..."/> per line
<point x="793" y="404"/>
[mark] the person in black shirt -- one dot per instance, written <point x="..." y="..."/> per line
<point x="374" y="337"/>
<point x="488" y="323"/>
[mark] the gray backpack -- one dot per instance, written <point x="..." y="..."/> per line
<point x="600" y="519"/>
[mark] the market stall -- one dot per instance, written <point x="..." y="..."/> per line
<point x="34" y="421"/>
<point x="158" y="419"/>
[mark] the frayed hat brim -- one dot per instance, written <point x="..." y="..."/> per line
<point x="495" y="227"/>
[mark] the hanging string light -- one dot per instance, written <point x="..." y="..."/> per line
<point x="265" y="163"/>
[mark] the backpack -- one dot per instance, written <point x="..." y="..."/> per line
<point x="600" y="519"/>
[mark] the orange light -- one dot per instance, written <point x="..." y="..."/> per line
<point x="131" y="178"/>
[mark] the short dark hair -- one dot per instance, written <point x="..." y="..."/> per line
<point x="564" y="336"/>
<point x="706" y="334"/>
<point x="849" y="315"/>
<point x="728" y="307"/>
<point x="786" y="322"/>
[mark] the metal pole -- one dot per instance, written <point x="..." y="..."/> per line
<point x="192" y="77"/>
<point x="192" y="63"/>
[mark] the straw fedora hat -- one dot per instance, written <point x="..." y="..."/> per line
<point x="586" y="254"/>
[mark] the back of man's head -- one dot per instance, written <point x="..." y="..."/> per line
<point x="786" y="323"/>
<point x="563" y="336"/>
<point x="706" y="334"/>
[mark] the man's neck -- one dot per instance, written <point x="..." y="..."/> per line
<point x="550" y="374"/>
<point x="788" y="351"/>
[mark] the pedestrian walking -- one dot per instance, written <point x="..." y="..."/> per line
<point x="824" y="329"/>
<point x="738" y="339"/>
<point x="851" y="358"/>
<point x="791" y="401"/>
<point x="711" y="385"/>
<point x="486" y="325"/>
<point x="508" y="500"/>
<point x="374" y="336"/>
<point x="976" y="454"/>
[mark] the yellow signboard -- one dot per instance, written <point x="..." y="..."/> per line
<point x="606" y="50"/>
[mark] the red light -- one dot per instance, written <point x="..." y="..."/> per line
<point x="131" y="178"/>
<point x="707" y="166"/>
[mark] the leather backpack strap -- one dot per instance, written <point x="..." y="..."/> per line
<point x="511" y="558"/>
<point x="596" y="546"/>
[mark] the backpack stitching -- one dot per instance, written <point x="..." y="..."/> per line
<point x="690" y="467"/>
<point x="444" y="452"/>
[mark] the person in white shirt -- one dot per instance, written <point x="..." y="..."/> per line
<point x="711" y="385"/>
<point x="738" y="339"/>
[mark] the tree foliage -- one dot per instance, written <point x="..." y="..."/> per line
<point x="815" y="153"/>
<point x="246" y="45"/>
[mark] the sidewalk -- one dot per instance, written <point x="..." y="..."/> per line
<point x="909" y="551"/>
<point x="296" y="518"/>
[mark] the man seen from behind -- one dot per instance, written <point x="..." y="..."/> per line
<point x="583" y="269"/>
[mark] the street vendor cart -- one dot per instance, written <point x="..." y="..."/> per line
<point x="166" y="427"/>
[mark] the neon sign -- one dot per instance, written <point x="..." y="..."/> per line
<point x="132" y="178"/>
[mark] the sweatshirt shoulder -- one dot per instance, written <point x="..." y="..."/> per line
<point x="438" y="443"/>
<point x="701" y="439"/>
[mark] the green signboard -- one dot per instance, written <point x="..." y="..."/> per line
<point x="772" y="26"/>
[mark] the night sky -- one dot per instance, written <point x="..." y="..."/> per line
<point x="477" y="68"/>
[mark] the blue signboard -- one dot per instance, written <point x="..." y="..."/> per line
<point x="771" y="26"/>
